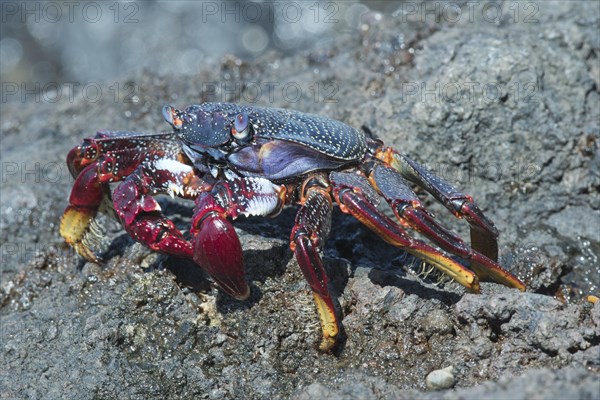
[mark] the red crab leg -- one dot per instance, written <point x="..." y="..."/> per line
<point x="353" y="201"/>
<point x="84" y="202"/>
<point x="484" y="235"/>
<point x="141" y="214"/>
<point x="313" y="223"/>
<point x="216" y="246"/>
<point x="410" y="211"/>
<point x="108" y="157"/>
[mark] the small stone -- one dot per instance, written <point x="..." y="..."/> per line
<point x="220" y="339"/>
<point x="440" y="379"/>
<point x="436" y="321"/>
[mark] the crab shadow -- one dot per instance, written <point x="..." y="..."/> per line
<point x="260" y="263"/>
<point x="349" y="246"/>
<point x="387" y="264"/>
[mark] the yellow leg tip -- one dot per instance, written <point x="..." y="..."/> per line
<point x="329" y="323"/>
<point x="448" y="266"/>
<point x="74" y="226"/>
<point x="327" y="344"/>
<point x="74" y="223"/>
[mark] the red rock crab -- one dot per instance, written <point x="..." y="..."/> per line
<point x="239" y="160"/>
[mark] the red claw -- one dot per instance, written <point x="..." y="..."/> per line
<point x="218" y="251"/>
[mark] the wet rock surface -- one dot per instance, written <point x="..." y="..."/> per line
<point x="144" y="325"/>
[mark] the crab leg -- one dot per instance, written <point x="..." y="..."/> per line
<point x="108" y="157"/>
<point x="484" y="235"/>
<point x="354" y="201"/>
<point x="313" y="223"/>
<point x="141" y="215"/>
<point x="216" y="246"/>
<point x="410" y="211"/>
<point x="86" y="197"/>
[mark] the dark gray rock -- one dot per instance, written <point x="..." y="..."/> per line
<point x="148" y="326"/>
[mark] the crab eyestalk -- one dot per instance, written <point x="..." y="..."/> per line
<point x="172" y="116"/>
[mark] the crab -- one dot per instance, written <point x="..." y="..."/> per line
<point x="234" y="160"/>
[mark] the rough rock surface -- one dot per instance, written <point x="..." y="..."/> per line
<point x="144" y="325"/>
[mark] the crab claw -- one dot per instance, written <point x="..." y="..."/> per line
<point x="218" y="251"/>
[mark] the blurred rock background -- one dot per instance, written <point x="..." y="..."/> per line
<point x="83" y="41"/>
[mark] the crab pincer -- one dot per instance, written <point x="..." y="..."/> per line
<point x="217" y="248"/>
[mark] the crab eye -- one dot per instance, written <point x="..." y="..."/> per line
<point x="241" y="126"/>
<point x="172" y="116"/>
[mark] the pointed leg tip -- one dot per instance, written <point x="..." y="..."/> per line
<point x="327" y="344"/>
<point x="86" y="253"/>
<point x="74" y="223"/>
<point x="475" y="287"/>
<point x="488" y="270"/>
<point x="75" y="228"/>
<point x="329" y="323"/>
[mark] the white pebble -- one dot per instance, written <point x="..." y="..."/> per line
<point x="440" y="379"/>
